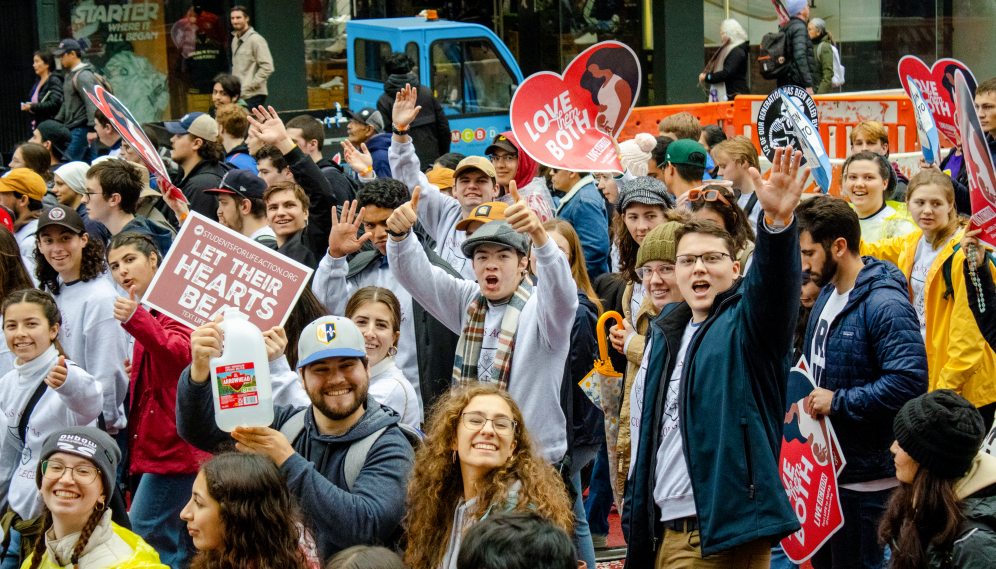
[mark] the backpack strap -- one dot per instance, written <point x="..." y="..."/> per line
<point x="356" y="456"/>
<point x="946" y="269"/>
<point x="293" y="426"/>
<point x="22" y="423"/>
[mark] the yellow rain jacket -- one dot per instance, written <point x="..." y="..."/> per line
<point x="95" y="556"/>
<point x="958" y="356"/>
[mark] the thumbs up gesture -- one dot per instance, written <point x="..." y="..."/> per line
<point x="523" y="219"/>
<point x="57" y="375"/>
<point x="125" y="307"/>
<point x="403" y="218"/>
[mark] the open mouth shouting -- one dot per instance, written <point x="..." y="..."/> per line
<point x="701" y="288"/>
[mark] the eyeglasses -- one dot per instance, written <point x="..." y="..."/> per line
<point x="506" y="158"/>
<point x="475" y="422"/>
<point x="84" y="474"/>
<point x="661" y="271"/>
<point x="708" y="195"/>
<point x="88" y="194"/>
<point x="710" y="259"/>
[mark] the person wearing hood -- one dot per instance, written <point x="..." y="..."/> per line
<point x="944" y="512"/>
<point x="430" y="131"/>
<point x="113" y="190"/>
<point x="822" y="49"/>
<point x="799" y="48"/>
<point x="511" y="163"/>
<point x="868" y="359"/>
<point x="310" y="444"/>
<point x="366" y="131"/>
<point x="727" y="71"/>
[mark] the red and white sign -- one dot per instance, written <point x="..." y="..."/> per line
<point x="978" y="161"/>
<point x="937" y="86"/>
<point x="568" y="121"/>
<point x="809" y="464"/>
<point x="210" y="267"/>
<point x="130" y="130"/>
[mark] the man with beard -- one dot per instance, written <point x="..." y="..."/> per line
<point x="868" y="358"/>
<point x="241" y="207"/>
<point x="346" y="462"/>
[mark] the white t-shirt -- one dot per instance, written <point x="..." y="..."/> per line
<point x="634" y="303"/>
<point x="818" y="351"/>
<point x="673" y="486"/>
<point x="489" y="344"/>
<point x="755" y="212"/>
<point x="922" y="261"/>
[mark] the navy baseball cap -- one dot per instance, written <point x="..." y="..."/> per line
<point x="241" y="183"/>
<point x="197" y="124"/>
<point x="67" y="45"/>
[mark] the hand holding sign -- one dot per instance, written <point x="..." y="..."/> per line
<point x="523" y="219"/>
<point x="405" y="111"/>
<point x="58" y="374"/>
<point x="342" y="239"/>
<point x="404" y="218"/>
<point x="276" y="342"/>
<point x="125" y="307"/>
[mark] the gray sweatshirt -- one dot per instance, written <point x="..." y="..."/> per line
<point x="77" y="109"/>
<point x="542" y="339"/>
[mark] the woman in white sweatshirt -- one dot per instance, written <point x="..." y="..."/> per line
<point x="71" y="267"/>
<point x="69" y="396"/>
<point x="377" y="313"/>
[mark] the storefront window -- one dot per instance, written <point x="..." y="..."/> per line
<point x="325" y="52"/>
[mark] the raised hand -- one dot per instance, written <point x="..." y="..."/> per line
<point x="276" y="342"/>
<point x="342" y="237"/>
<point x="206" y="342"/>
<point x="125" y="307"/>
<point x="359" y="160"/>
<point x="404" y="218"/>
<point x="405" y="110"/>
<point x="970" y="238"/>
<point x="268" y="128"/>
<point x="523" y="219"/>
<point x="58" y="374"/>
<point x="780" y="194"/>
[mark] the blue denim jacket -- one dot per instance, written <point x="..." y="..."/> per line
<point x="585" y="210"/>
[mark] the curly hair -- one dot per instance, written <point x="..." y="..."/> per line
<point x="261" y="525"/>
<point x="436" y="484"/>
<point x="92" y="265"/>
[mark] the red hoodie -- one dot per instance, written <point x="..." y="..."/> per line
<point x="527" y="166"/>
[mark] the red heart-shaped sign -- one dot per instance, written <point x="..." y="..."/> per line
<point x="937" y="85"/>
<point x="568" y="121"/>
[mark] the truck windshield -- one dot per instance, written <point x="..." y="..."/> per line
<point x="470" y="77"/>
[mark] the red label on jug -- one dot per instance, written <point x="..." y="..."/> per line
<point x="237" y="385"/>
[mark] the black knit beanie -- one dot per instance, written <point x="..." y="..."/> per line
<point x="942" y="431"/>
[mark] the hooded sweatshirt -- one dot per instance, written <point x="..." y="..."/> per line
<point x="378" y="146"/>
<point x="430" y="131"/>
<point x="371" y="513"/>
<point x="527" y="166"/>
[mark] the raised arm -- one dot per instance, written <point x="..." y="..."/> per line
<point x="80" y="393"/>
<point x="330" y="284"/>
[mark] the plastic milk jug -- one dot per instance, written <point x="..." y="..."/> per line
<point x="240" y="378"/>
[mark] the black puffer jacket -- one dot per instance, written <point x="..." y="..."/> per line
<point x="206" y="175"/>
<point x="799" y="47"/>
<point x="430" y="131"/>
<point x="49" y="99"/>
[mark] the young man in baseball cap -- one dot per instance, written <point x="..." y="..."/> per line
<point x="21" y="191"/>
<point x="197" y="151"/>
<point x="511" y="334"/>
<point x="77" y="111"/>
<point x="341" y="506"/>
<point x="241" y="207"/>
<point x="366" y="130"/>
<point x="54" y="136"/>
<point x="684" y="166"/>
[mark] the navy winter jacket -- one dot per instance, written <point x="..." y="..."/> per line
<point x="875" y="363"/>
<point x="731" y="407"/>
<point x="378" y="145"/>
<point x="586" y="213"/>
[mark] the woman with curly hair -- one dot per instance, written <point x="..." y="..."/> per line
<point x="241" y="514"/>
<point x="478" y="459"/>
<point x="71" y="267"/>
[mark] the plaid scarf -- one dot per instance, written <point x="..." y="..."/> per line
<point x="468" y="350"/>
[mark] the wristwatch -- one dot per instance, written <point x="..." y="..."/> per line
<point x="396" y="234"/>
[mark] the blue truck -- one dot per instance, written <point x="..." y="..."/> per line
<point x="470" y="70"/>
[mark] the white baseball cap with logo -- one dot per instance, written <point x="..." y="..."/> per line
<point x="330" y="337"/>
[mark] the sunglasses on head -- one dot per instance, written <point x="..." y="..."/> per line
<point x="707" y="195"/>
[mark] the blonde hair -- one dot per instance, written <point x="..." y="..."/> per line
<point x="683" y="125"/>
<point x="871" y="130"/>
<point x="940" y="179"/>
<point x="740" y="149"/>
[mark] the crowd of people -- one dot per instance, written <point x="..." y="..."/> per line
<point x="442" y="424"/>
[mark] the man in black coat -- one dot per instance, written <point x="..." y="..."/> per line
<point x="431" y="130"/>
<point x="799" y="48"/>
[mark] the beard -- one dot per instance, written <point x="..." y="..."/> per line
<point x="342" y="411"/>
<point x="827" y="272"/>
<point x="238" y="223"/>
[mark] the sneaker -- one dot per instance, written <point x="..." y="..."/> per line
<point x="599" y="541"/>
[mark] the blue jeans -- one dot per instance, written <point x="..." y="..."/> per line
<point x="856" y="544"/>
<point x="582" y="537"/>
<point x="599" y="501"/>
<point x="779" y="560"/>
<point x="79" y="148"/>
<point x="12" y="561"/>
<point x="155" y="516"/>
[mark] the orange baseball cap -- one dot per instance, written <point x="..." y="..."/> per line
<point x="491" y="211"/>
<point x="25" y="182"/>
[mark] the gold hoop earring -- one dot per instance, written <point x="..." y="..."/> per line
<point x="392" y="351"/>
<point x="100" y="506"/>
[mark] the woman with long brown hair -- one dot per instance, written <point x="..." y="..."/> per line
<point x="942" y="513"/>
<point x="13" y="276"/>
<point x="957" y="355"/>
<point x="478" y="459"/>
